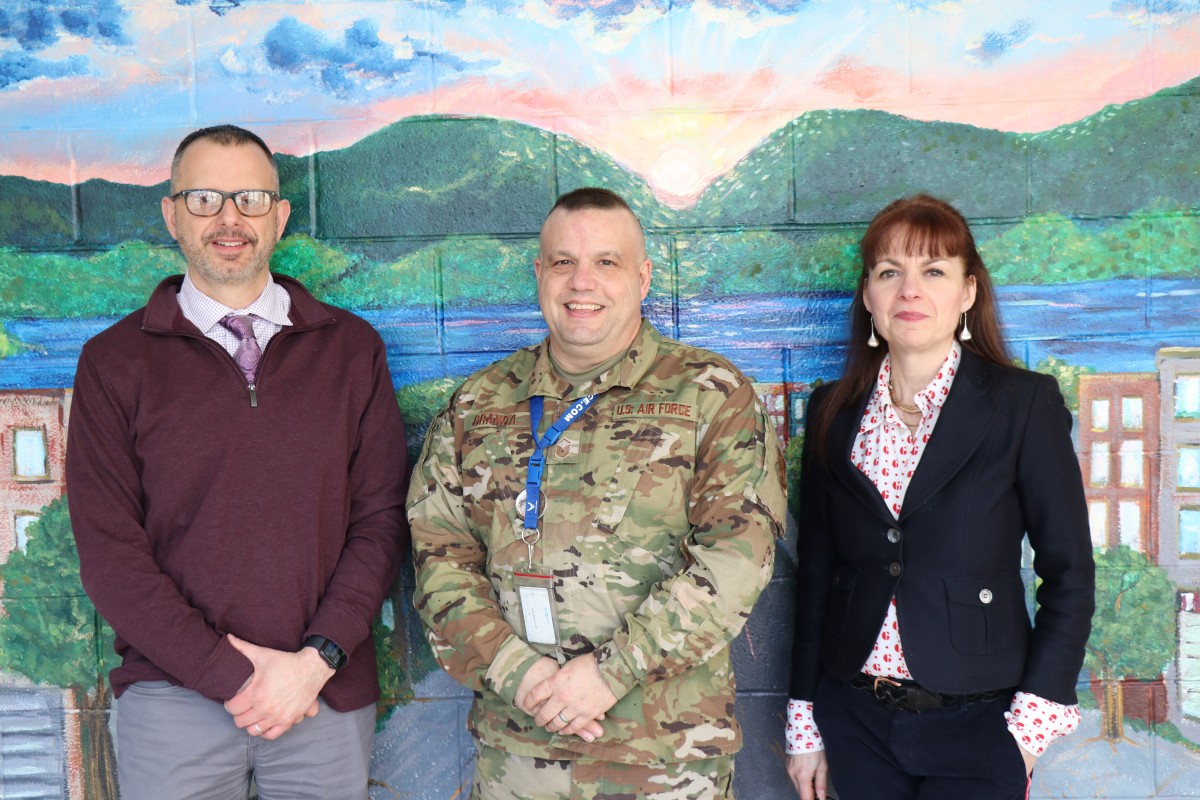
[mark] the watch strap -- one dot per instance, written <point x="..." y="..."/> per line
<point x="333" y="655"/>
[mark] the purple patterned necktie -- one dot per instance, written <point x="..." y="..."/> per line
<point x="248" y="353"/>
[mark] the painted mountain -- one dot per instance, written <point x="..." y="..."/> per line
<point x="424" y="210"/>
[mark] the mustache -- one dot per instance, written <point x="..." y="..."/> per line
<point x="231" y="233"/>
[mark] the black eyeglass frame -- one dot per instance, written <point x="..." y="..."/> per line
<point x="224" y="197"/>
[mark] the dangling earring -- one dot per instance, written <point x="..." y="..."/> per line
<point x="965" y="336"/>
<point x="872" y="342"/>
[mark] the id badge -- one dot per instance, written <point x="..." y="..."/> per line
<point x="535" y="595"/>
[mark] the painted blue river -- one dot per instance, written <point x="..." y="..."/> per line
<point x="1111" y="326"/>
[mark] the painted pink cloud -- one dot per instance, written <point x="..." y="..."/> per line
<point x="678" y="98"/>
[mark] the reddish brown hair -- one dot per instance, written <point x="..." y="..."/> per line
<point x="919" y="225"/>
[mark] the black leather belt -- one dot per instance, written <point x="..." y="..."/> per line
<point x="898" y="695"/>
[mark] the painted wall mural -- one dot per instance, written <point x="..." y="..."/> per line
<point x="422" y="142"/>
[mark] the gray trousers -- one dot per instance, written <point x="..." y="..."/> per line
<point x="172" y="742"/>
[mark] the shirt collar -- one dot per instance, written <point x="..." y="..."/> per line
<point x="545" y="380"/>
<point x="933" y="396"/>
<point x="204" y="312"/>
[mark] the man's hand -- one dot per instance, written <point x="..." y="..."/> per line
<point x="281" y="692"/>
<point x="543" y="670"/>
<point x="809" y="773"/>
<point x="571" y="701"/>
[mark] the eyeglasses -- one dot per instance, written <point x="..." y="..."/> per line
<point x="209" y="202"/>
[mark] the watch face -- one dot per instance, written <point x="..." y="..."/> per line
<point x="335" y="656"/>
<point x="330" y="652"/>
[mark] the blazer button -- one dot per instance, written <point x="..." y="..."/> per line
<point x="894" y="569"/>
<point x="893" y="535"/>
<point x="985" y="596"/>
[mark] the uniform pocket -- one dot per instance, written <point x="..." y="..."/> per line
<point x="642" y="515"/>
<point x="491" y="484"/>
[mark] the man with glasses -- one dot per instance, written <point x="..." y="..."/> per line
<point x="235" y="475"/>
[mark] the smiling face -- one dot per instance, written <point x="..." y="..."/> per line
<point x="227" y="253"/>
<point x="592" y="275"/>
<point x="916" y="300"/>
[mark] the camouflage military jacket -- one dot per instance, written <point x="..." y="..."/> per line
<point x="662" y="504"/>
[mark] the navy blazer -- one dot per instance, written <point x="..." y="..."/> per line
<point x="999" y="464"/>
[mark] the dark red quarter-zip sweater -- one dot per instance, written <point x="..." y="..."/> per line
<point x="197" y="514"/>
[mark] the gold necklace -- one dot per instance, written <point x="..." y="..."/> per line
<point x="907" y="409"/>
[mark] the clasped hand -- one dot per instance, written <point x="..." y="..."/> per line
<point x="569" y="700"/>
<point x="280" y="693"/>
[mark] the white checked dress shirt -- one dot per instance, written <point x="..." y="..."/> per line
<point x="270" y="312"/>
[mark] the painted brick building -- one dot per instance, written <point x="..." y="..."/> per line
<point x="33" y="446"/>
<point x="1118" y="455"/>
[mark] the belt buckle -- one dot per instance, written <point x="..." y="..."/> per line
<point x="881" y="694"/>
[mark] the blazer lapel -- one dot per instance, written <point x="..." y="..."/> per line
<point x="842" y="433"/>
<point x="965" y="419"/>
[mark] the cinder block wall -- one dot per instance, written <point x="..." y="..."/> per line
<point x="1092" y="225"/>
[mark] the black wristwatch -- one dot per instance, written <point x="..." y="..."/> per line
<point x="333" y="655"/>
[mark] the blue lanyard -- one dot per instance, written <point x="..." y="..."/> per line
<point x="537" y="461"/>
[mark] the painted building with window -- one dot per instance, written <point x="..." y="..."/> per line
<point x="1179" y="500"/>
<point x="33" y="446"/>
<point x="785" y="404"/>
<point x="1118" y="455"/>
<point x="41" y="750"/>
<point x="1179" y="507"/>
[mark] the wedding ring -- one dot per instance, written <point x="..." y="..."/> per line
<point x="564" y="719"/>
<point x="258" y="728"/>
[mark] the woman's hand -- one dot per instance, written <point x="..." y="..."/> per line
<point x="1029" y="758"/>
<point x="809" y="774"/>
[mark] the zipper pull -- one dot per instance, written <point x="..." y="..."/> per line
<point x="253" y="397"/>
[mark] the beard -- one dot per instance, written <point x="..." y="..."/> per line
<point x="227" y="273"/>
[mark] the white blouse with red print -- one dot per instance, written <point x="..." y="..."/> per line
<point x="1032" y="720"/>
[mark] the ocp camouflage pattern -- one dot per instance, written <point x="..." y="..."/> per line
<point x="505" y="776"/>
<point x="662" y="504"/>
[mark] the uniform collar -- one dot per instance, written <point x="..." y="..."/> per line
<point x="545" y="380"/>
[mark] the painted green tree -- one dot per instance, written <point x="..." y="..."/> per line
<point x="390" y="646"/>
<point x="792" y="454"/>
<point x="52" y="635"/>
<point x="8" y="345"/>
<point x="1133" y="629"/>
<point x="419" y="404"/>
<point x="1048" y="249"/>
<point x="1067" y="376"/>
<point x="402" y="653"/>
<point x="1163" y="239"/>
<point x="61" y="286"/>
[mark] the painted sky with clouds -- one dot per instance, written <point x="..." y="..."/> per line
<point x="676" y="90"/>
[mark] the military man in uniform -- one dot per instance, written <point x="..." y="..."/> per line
<point x="593" y="519"/>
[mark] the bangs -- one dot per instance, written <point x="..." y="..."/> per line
<point x="934" y="241"/>
<point x="919" y="226"/>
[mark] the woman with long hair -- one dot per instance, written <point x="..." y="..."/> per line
<point x="917" y="672"/>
